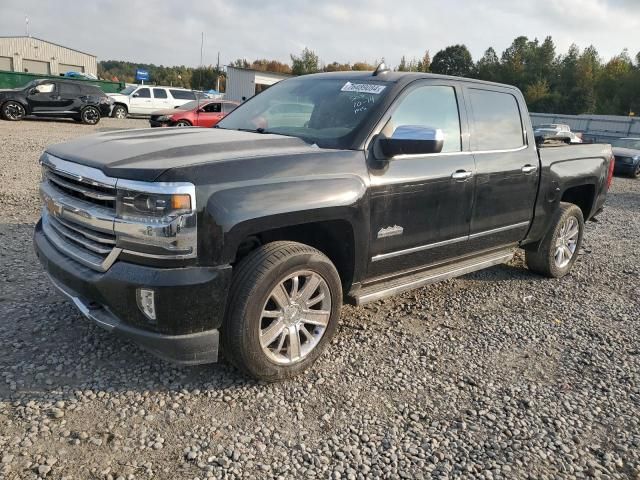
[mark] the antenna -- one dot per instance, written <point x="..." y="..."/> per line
<point x="382" y="68"/>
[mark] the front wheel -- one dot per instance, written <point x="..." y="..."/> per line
<point x="13" y="111"/>
<point x="636" y="172"/>
<point x="119" y="111"/>
<point x="283" y="309"/>
<point x="90" y="115"/>
<point x="558" y="250"/>
<point x="183" y="123"/>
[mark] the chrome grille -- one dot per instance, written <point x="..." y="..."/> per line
<point x="79" y="212"/>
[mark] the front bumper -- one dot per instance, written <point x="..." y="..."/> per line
<point x="190" y="302"/>
<point x="105" y="109"/>
<point x="163" y="123"/>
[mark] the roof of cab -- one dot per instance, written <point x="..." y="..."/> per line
<point x="402" y="77"/>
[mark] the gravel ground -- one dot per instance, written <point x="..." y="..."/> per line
<point x="498" y="374"/>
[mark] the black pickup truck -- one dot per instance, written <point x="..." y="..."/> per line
<point x="343" y="186"/>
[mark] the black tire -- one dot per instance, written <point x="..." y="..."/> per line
<point x="119" y="111"/>
<point x="13" y="111"/>
<point x="90" y="115"/>
<point x="636" y="172"/>
<point x="543" y="259"/>
<point x="183" y="123"/>
<point x="255" y="277"/>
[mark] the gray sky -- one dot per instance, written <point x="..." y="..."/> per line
<point x="168" y="32"/>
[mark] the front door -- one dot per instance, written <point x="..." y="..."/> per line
<point x="507" y="169"/>
<point x="209" y="115"/>
<point x="421" y="204"/>
<point x="141" y="102"/>
<point x="43" y="98"/>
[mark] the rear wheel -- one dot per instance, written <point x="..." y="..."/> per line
<point x="13" y="111"/>
<point x="558" y="251"/>
<point x="90" y="115"/>
<point x="636" y="172"/>
<point x="183" y="123"/>
<point x="119" y="111"/>
<point x="283" y="310"/>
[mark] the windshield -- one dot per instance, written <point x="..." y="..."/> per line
<point x="633" y="143"/>
<point x="323" y="111"/>
<point x="128" y="90"/>
<point x="189" y="105"/>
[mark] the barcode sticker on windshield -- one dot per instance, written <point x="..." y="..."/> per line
<point x="363" y="88"/>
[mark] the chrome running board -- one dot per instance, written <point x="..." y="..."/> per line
<point x="377" y="291"/>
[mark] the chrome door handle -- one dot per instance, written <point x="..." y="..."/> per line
<point x="461" y="175"/>
<point x="529" y="169"/>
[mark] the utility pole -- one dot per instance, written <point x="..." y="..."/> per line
<point x="26" y="26"/>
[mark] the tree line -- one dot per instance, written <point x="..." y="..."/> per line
<point x="575" y="82"/>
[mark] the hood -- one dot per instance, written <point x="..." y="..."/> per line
<point x="168" y="111"/>
<point x="9" y="90"/>
<point x="117" y="95"/>
<point x="147" y="153"/>
<point x="625" y="152"/>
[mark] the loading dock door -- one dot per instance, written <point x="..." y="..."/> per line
<point x="36" y="66"/>
<point x="64" y="68"/>
<point x="6" y="63"/>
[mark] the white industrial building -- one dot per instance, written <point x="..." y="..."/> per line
<point x="244" y="83"/>
<point x="33" y="55"/>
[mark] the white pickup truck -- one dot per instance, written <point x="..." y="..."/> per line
<point x="143" y="99"/>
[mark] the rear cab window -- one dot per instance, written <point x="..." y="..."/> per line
<point x="497" y="120"/>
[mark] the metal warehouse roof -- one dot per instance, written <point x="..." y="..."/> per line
<point x="45" y="41"/>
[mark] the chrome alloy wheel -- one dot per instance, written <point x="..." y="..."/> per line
<point x="295" y="317"/>
<point x="14" y="111"/>
<point x="90" y="115"/>
<point x="567" y="242"/>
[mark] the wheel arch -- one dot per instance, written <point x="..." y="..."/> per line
<point x="327" y="215"/>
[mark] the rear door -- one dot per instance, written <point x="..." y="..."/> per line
<point x="507" y="167"/>
<point x="161" y="99"/>
<point x="421" y="204"/>
<point x="69" y="94"/>
<point x="141" y="102"/>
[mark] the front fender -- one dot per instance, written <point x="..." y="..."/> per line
<point x="233" y="214"/>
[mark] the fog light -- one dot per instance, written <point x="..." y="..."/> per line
<point x="147" y="303"/>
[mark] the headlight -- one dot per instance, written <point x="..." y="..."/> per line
<point x="106" y="100"/>
<point x="141" y="206"/>
<point x="156" y="219"/>
<point x="163" y="118"/>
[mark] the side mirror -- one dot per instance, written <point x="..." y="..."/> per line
<point x="136" y="95"/>
<point x="412" y="140"/>
<point x="33" y="91"/>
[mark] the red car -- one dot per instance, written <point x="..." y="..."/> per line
<point x="199" y="113"/>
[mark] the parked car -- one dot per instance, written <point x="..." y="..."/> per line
<point x="55" y="99"/>
<point x="251" y="235"/>
<point x="564" y="135"/>
<point x="200" y="113"/>
<point x="627" y="153"/>
<point x="558" y="127"/>
<point x="145" y="99"/>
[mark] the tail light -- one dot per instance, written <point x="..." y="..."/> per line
<point x="612" y="163"/>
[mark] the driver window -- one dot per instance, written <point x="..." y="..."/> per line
<point x="143" y="93"/>
<point x="212" y="108"/>
<point x="45" y="88"/>
<point x="431" y="106"/>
